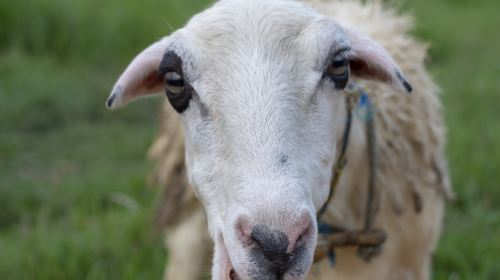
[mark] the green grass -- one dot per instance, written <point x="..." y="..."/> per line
<point x="73" y="197"/>
<point x="465" y="61"/>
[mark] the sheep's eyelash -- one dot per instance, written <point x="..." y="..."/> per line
<point x="173" y="63"/>
<point x="176" y="66"/>
<point x="343" y="53"/>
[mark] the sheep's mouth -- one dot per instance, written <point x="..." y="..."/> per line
<point x="233" y="275"/>
<point x="228" y="272"/>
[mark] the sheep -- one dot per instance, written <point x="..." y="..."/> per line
<point x="252" y="126"/>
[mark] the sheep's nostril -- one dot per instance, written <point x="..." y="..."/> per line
<point x="301" y="236"/>
<point x="243" y="230"/>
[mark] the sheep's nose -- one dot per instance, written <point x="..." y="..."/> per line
<point x="271" y="244"/>
<point x="276" y="251"/>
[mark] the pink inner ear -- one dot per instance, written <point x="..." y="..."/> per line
<point x="371" y="61"/>
<point x="153" y="81"/>
<point x="134" y="84"/>
<point x="364" y="69"/>
<point x="140" y="78"/>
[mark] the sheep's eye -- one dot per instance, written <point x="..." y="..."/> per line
<point x="338" y="71"/>
<point x="174" y="82"/>
<point x="178" y="92"/>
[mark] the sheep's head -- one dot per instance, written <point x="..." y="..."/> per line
<point x="259" y="85"/>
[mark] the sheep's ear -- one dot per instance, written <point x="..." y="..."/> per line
<point x="371" y="61"/>
<point x="141" y="77"/>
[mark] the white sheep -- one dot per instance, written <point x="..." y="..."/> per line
<point x="258" y="86"/>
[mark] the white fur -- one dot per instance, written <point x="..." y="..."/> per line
<point x="262" y="129"/>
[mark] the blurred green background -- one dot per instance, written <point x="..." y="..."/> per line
<point x="73" y="197"/>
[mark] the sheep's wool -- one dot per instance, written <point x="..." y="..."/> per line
<point x="412" y="176"/>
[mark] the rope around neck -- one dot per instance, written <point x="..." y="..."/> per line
<point x="368" y="240"/>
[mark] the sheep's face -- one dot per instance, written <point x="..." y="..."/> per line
<point x="259" y="85"/>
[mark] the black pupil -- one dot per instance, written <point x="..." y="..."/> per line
<point x="339" y="63"/>
<point x="339" y="73"/>
<point x="175" y="82"/>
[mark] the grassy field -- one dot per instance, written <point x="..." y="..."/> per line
<point x="73" y="197"/>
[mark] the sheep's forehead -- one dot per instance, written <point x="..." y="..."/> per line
<point x="263" y="25"/>
<point x="254" y="46"/>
